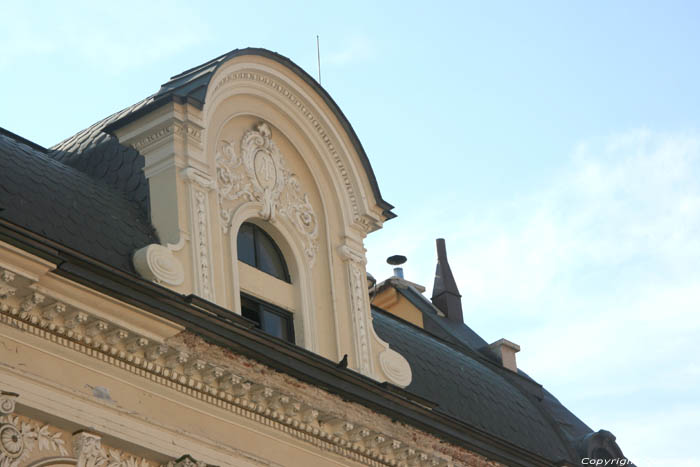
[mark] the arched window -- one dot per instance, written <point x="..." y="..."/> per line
<point x="256" y="248"/>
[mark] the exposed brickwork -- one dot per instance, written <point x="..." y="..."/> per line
<point x="325" y="401"/>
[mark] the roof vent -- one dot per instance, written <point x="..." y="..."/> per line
<point x="397" y="261"/>
<point x="506" y="351"/>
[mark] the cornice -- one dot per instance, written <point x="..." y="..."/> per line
<point x="207" y="381"/>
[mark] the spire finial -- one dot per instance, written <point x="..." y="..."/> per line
<point x="446" y="296"/>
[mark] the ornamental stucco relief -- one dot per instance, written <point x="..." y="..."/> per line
<point x="199" y="376"/>
<point x="20" y="437"/>
<point x="260" y="174"/>
<point x="306" y="112"/>
<point x="28" y="442"/>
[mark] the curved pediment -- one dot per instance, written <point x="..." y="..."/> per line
<point x="280" y="80"/>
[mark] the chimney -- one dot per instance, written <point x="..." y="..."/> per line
<point x="506" y="350"/>
<point x="446" y="297"/>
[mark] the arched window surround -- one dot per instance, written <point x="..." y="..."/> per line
<point x="290" y="245"/>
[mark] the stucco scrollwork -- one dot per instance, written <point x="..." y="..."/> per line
<point x="395" y="367"/>
<point x="7" y="402"/>
<point x="6" y="277"/>
<point x="260" y="174"/>
<point x="20" y="437"/>
<point x="90" y="453"/>
<point x="157" y="263"/>
<point x="362" y="221"/>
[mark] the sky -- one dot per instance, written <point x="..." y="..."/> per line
<point x="554" y="145"/>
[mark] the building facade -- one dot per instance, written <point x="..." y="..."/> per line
<point x="184" y="283"/>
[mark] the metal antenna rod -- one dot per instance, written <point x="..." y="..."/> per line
<point x="318" y="54"/>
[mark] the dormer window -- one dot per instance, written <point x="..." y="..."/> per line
<point x="257" y="249"/>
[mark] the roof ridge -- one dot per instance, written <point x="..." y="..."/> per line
<point x="23" y="140"/>
<point x="61" y="145"/>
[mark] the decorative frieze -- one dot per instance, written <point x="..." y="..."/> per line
<point x="260" y="174"/>
<point x="20" y="437"/>
<point x="90" y="453"/>
<point x="161" y="133"/>
<point x="202" y="379"/>
<point x="24" y="440"/>
<point x="6" y="278"/>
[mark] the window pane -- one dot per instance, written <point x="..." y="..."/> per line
<point x="271" y="319"/>
<point x="269" y="258"/>
<point x="246" y="244"/>
<point x="275" y="324"/>
<point x="249" y="309"/>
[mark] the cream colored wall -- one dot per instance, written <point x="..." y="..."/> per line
<point x="396" y="304"/>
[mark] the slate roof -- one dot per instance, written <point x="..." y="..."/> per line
<point x="59" y="202"/>
<point x="470" y="390"/>
<point x="462" y="339"/>
<point x="99" y="155"/>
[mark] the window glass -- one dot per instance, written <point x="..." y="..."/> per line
<point x="249" y="309"/>
<point x="256" y="248"/>
<point x="273" y="324"/>
<point x="269" y="258"/>
<point x="271" y="319"/>
<point x="246" y="244"/>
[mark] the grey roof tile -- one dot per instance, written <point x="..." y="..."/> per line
<point x="101" y="156"/>
<point x="60" y="202"/>
<point x="470" y="390"/>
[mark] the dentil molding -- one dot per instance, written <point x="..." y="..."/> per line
<point x="198" y="377"/>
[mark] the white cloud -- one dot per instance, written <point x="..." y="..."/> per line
<point x="597" y="277"/>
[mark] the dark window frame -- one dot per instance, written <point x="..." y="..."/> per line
<point x="252" y="305"/>
<point x="259" y="232"/>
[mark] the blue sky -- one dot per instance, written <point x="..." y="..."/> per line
<point x="555" y="145"/>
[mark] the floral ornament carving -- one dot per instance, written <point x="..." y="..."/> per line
<point x="358" y="295"/>
<point x="259" y="174"/>
<point x="90" y="453"/>
<point x="19" y="438"/>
